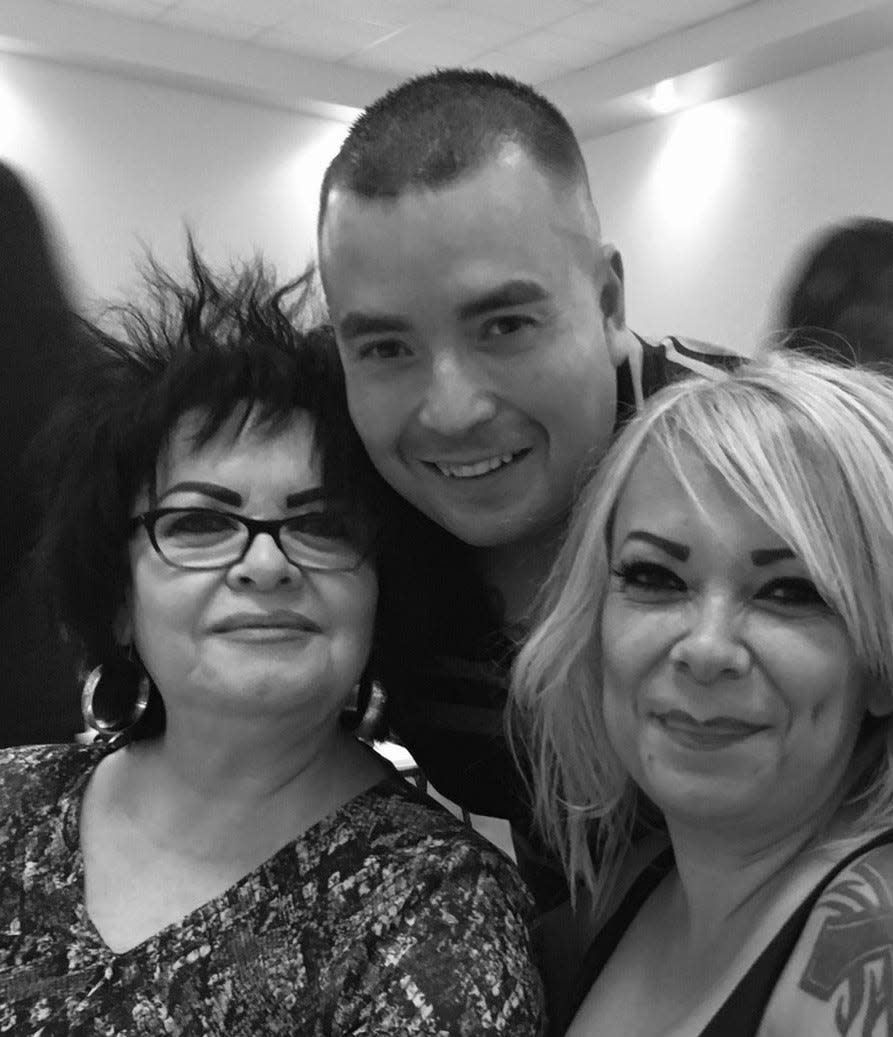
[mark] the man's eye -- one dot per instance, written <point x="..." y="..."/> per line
<point x="387" y="349"/>
<point x="507" y="324"/>
<point x="792" y="590"/>
<point x="647" y="578"/>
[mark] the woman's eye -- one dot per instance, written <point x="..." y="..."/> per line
<point x="793" y="590"/>
<point x="196" y="524"/>
<point x="648" y="578"/>
<point x="386" y="349"/>
<point x="506" y="325"/>
<point x="320" y="525"/>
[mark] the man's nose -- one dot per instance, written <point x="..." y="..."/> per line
<point x="457" y="396"/>
<point x="711" y="647"/>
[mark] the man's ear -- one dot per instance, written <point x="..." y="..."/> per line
<point x="622" y="345"/>
<point x="611" y="298"/>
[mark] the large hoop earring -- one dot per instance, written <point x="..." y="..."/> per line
<point x="366" y="718"/>
<point x="106" y="685"/>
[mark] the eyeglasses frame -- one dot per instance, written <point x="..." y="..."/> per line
<point x="272" y="527"/>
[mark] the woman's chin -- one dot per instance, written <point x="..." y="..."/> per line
<point x="705" y="795"/>
<point x="263" y="693"/>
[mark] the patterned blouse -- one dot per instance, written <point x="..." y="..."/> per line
<point x="387" y="917"/>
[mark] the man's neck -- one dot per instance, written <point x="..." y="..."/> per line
<point x="519" y="570"/>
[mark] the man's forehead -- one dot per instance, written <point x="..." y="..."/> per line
<point x="508" y="172"/>
<point x="473" y="220"/>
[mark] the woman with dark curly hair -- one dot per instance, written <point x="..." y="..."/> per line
<point x="228" y="858"/>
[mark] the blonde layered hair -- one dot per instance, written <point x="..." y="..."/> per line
<point x="808" y="446"/>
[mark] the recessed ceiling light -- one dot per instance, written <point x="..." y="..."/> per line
<point x="664" y="97"/>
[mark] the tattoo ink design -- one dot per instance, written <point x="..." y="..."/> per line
<point x="854" y="954"/>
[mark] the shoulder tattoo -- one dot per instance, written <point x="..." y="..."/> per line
<point x="851" y="964"/>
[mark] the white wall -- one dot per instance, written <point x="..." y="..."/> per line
<point x="117" y="162"/>
<point x="710" y="207"/>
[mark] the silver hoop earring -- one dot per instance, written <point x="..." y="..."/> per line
<point x="105" y="688"/>
<point x="365" y="718"/>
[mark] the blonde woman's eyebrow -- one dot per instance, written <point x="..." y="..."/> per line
<point x="671" y="547"/>
<point x="771" y="555"/>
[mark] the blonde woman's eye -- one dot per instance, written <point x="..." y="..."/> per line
<point x="794" y="591"/>
<point x="647" y="577"/>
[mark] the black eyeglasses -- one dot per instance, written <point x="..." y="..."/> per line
<point x="324" y="540"/>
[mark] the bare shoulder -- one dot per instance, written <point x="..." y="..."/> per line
<point x="839" y="980"/>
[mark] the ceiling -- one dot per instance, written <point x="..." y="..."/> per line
<point x="599" y="60"/>
<point x="533" y="39"/>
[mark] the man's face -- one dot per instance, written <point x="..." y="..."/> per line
<point x="473" y="341"/>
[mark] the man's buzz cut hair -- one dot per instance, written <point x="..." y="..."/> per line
<point x="432" y="129"/>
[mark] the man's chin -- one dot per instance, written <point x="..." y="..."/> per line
<point x="486" y="532"/>
<point x="476" y="515"/>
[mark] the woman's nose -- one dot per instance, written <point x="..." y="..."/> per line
<point x="264" y="566"/>
<point x="711" y="647"/>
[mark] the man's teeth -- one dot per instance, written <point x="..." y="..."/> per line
<point x="469" y="471"/>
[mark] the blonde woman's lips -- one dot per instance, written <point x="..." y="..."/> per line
<point x="712" y="733"/>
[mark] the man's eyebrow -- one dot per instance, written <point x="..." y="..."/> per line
<point x="771" y="555"/>
<point x="671" y="547"/>
<point x="207" y="489"/>
<point x="354" y="323"/>
<point x="504" y="296"/>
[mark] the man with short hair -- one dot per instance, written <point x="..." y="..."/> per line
<point x="481" y="326"/>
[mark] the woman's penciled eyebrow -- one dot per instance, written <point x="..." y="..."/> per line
<point x="671" y="547"/>
<point x="227" y="496"/>
<point x="771" y="555"/>
<point x="207" y="489"/>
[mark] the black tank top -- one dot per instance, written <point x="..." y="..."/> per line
<point x="742" y="1012"/>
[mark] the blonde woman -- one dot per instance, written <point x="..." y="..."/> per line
<point x="717" y="636"/>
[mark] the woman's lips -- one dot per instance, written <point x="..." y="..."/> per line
<point x="283" y="620"/>
<point x="267" y="634"/>
<point x="713" y="733"/>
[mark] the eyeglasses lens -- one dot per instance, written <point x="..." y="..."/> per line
<point x="205" y="539"/>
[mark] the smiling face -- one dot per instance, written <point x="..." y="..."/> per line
<point x="474" y="345"/>
<point x="732" y="693"/>
<point x="260" y="637"/>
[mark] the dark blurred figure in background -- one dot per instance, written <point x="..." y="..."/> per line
<point x="841" y="301"/>
<point x="40" y="699"/>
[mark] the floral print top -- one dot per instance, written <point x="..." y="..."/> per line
<point x="387" y="917"/>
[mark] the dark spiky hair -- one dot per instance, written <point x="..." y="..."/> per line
<point x="223" y="346"/>
<point x="432" y="129"/>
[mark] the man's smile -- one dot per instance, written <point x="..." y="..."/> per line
<point x="477" y="468"/>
